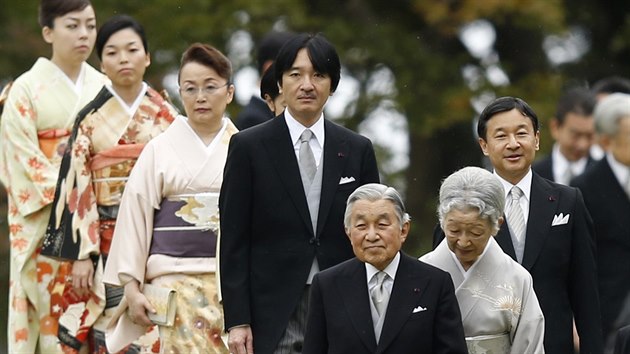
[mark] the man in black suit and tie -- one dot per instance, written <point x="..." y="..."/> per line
<point x="382" y="301"/>
<point x="606" y="189"/>
<point x="282" y="202"/>
<point x="548" y="229"/>
<point x="573" y="129"/>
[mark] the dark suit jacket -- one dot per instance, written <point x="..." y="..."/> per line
<point x="622" y="341"/>
<point x="340" y="320"/>
<point x="254" y="113"/>
<point x="561" y="260"/>
<point x="544" y="166"/>
<point x="267" y="240"/>
<point x="609" y="206"/>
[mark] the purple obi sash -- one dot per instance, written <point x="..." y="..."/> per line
<point x="186" y="226"/>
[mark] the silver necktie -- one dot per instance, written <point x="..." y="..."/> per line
<point x="515" y="218"/>
<point x="308" y="167"/>
<point x="379" y="294"/>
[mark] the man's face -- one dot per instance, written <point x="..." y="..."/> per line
<point x="574" y="136"/>
<point x="511" y="144"/>
<point x="619" y="144"/>
<point x="375" y="232"/>
<point x="305" y="90"/>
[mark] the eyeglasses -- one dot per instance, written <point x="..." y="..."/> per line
<point x="193" y="91"/>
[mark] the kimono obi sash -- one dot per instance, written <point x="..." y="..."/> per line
<point x="110" y="172"/>
<point x="496" y="343"/>
<point x="52" y="142"/>
<point x="186" y="225"/>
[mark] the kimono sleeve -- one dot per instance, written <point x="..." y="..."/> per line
<point x="528" y="334"/>
<point x="26" y="172"/>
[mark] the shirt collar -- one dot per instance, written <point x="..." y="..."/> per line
<point x="560" y="163"/>
<point x="391" y="268"/>
<point x="296" y="128"/>
<point x="525" y="184"/>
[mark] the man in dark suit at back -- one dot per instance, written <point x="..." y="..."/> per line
<point x="382" y="301"/>
<point x="606" y="189"/>
<point x="573" y="130"/>
<point x="548" y="229"/>
<point x="282" y="202"/>
<point x="257" y="111"/>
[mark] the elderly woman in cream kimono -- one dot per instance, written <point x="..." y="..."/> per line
<point x="167" y="228"/>
<point x="499" y="308"/>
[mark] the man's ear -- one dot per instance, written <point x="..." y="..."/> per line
<point x="404" y="232"/>
<point x="554" y="127"/>
<point x="484" y="146"/>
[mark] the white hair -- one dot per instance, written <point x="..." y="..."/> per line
<point x="609" y="111"/>
<point x="472" y="188"/>
<point x="373" y="192"/>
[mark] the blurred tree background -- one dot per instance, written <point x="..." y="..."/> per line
<point x="417" y="71"/>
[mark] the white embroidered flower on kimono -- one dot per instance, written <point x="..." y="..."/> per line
<point x="509" y="303"/>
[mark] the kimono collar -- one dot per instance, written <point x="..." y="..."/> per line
<point x="131" y="110"/>
<point x="466" y="273"/>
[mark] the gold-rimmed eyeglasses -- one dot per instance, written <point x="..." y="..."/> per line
<point x="193" y="91"/>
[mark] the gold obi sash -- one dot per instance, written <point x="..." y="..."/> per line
<point x="110" y="172"/>
<point x="52" y="142"/>
<point x="494" y="343"/>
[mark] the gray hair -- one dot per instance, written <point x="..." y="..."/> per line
<point x="373" y="192"/>
<point x="609" y="111"/>
<point x="473" y="188"/>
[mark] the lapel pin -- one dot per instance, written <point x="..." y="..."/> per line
<point x="340" y="154"/>
<point x="416" y="290"/>
<point x="552" y="198"/>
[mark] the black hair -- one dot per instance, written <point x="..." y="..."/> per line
<point x="209" y="56"/>
<point x="49" y="10"/>
<point x="320" y="51"/>
<point x="504" y="104"/>
<point x="268" y="84"/>
<point x="270" y="46"/>
<point x="114" y="25"/>
<point x="612" y="84"/>
<point x="578" y="100"/>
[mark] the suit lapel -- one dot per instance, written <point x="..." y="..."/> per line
<point x="542" y="205"/>
<point x="283" y="159"/>
<point x="354" y="293"/>
<point x="409" y="287"/>
<point x="505" y="240"/>
<point x="335" y="155"/>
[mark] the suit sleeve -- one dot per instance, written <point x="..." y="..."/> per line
<point x="448" y="330"/>
<point x="235" y="214"/>
<point x="315" y="338"/>
<point x="438" y="235"/>
<point x="583" y="288"/>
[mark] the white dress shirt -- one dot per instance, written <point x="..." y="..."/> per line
<point x="317" y="141"/>
<point x="560" y="165"/>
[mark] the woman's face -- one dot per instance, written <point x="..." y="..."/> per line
<point x="124" y="59"/>
<point x="72" y="36"/>
<point x="204" y="93"/>
<point x="467" y="234"/>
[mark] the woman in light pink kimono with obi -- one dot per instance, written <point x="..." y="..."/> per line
<point x="167" y="228"/>
<point x="500" y="311"/>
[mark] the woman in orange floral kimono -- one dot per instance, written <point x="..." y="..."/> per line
<point x="107" y="138"/>
<point x="35" y="125"/>
<point x="167" y="231"/>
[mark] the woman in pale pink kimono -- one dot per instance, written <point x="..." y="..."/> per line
<point x="108" y="136"/>
<point x="167" y="229"/>
<point x="500" y="311"/>
<point x="35" y="125"/>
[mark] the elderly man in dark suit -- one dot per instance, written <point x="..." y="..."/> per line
<point x="382" y="301"/>
<point x="573" y="129"/>
<point x="606" y="189"/>
<point x="548" y="229"/>
<point x="282" y="201"/>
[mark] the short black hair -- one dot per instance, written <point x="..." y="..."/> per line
<point x="268" y="84"/>
<point x="578" y="100"/>
<point x="320" y="51"/>
<point x="49" y="10"/>
<point x="611" y="84"/>
<point x="269" y="47"/>
<point x="115" y="24"/>
<point x="505" y="104"/>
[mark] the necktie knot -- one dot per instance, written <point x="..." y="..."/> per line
<point x="516" y="193"/>
<point x="306" y="136"/>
